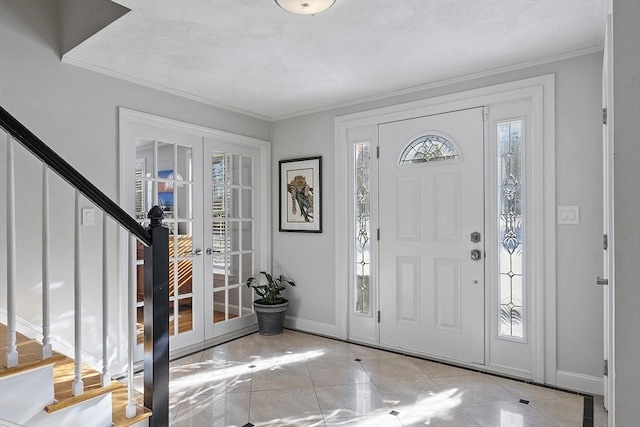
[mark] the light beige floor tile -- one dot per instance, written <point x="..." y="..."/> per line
<point x="411" y="393"/>
<point x="444" y="417"/>
<point x="337" y="373"/>
<point x="286" y="376"/>
<point x="531" y="391"/>
<point x="229" y="353"/>
<point x="276" y="355"/>
<point x="383" y="420"/>
<point x="221" y="377"/>
<point x="286" y="339"/>
<point x="475" y="390"/>
<point x="344" y="401"/>
<point x="368" y="353"/>
<point x="509" y="415"/>
<point x="564" y="412"/>
<point x="291" y="407"/>
<point x="328" y="352"/>
<point x="440" y="370"/>
<point x="398" y="368"/>
<point x="230" y="409"/>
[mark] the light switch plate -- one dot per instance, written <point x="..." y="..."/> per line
<point x="568" y="214"/>
<point x="88" y="216"/>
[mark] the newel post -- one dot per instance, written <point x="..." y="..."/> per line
<point x="156" y="321"/>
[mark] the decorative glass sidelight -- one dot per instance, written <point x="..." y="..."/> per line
<point x="510" y="229"/>
<point x="362" y="227"/>
<point x="428" y="148"/>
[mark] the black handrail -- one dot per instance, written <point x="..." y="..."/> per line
<point x="39" y="149"/>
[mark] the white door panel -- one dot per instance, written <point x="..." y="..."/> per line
<point x="431" y="291"/>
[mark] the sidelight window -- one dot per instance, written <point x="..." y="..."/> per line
<point x="362" y="227"/>
<point x="510" y="229"/>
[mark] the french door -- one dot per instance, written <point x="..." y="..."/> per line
<point x="167" y="176"/>
<point x="212" y="188"/>
<point x="432" y="292"/>
<point x="232" y="235"/>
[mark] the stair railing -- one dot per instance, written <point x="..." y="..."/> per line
<point x="156" y="272"/>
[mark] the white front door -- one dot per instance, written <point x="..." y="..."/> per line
<point x="232" y="235"/>
<point x="431" y="200"/>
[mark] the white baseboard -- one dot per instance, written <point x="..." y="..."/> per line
<point x="580" y="382"/>
<point x="310" y="326"/>
<point x="34" y="332"/>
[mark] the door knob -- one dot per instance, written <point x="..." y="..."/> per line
<point x="211" y="251"/>
<point x="197" y="252"/>
<point x="476" y="255"/>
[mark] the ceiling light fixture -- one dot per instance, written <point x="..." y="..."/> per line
<point x="305" y="7"/>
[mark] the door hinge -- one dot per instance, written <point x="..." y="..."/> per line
<point x="604" y="116"/>
<point x="605" y="367"/>
<point x="378" y="234"/>
<point x="377" y="152"/>
<point x="485" y="115"/>
<point x="605" y="242"/>
<point x="378" y="316"/>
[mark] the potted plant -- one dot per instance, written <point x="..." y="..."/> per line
<point x="270" y="307"/>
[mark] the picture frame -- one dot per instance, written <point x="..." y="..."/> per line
<point x="300" y="190"/>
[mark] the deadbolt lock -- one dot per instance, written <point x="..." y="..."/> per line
<point x="475" y="237"/>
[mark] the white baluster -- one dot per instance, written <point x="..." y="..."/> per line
<point x="78" y="384"/>
<point x="47" y="351"/>
<point x="131" y="405"/>
<point x="106" y="375"/>
<point x="12" y="350"/>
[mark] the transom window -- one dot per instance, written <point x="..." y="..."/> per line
<point x="428" y="148"/>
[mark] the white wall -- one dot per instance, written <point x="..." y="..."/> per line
<point x="626" y="128"/>
<point x="75" y="112"/>
<point x="308" y="258"/>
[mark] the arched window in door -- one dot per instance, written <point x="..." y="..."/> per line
<point x="428" y="148"/>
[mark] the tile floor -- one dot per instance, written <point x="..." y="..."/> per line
<point x="298" y="379"/>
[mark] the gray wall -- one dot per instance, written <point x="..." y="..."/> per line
<point x="626" y="128"/>
<point x="310" y="258"/>
<point x="75" y="112"/>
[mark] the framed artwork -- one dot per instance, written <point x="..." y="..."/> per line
<point x="300" y="189"/>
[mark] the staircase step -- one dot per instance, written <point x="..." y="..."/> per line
<point x="30" y="357"/>
<point x="90" y="394"/>
<point x="23" y="367"/>
<point x="29" y="351"/>
<point x="120" y="400"/>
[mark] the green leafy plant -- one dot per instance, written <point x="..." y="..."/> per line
<point x="269" y="292"/>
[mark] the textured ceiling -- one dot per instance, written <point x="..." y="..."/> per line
<point x="252" y="56"/>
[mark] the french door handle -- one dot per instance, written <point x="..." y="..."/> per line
<point x="211" y="251"/>
<point x="197" y="252"/>
<point x="602" y="282"/>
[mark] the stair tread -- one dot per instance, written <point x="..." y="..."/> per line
<point x="29" y="350"/>
<point x="88" y="394"/>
